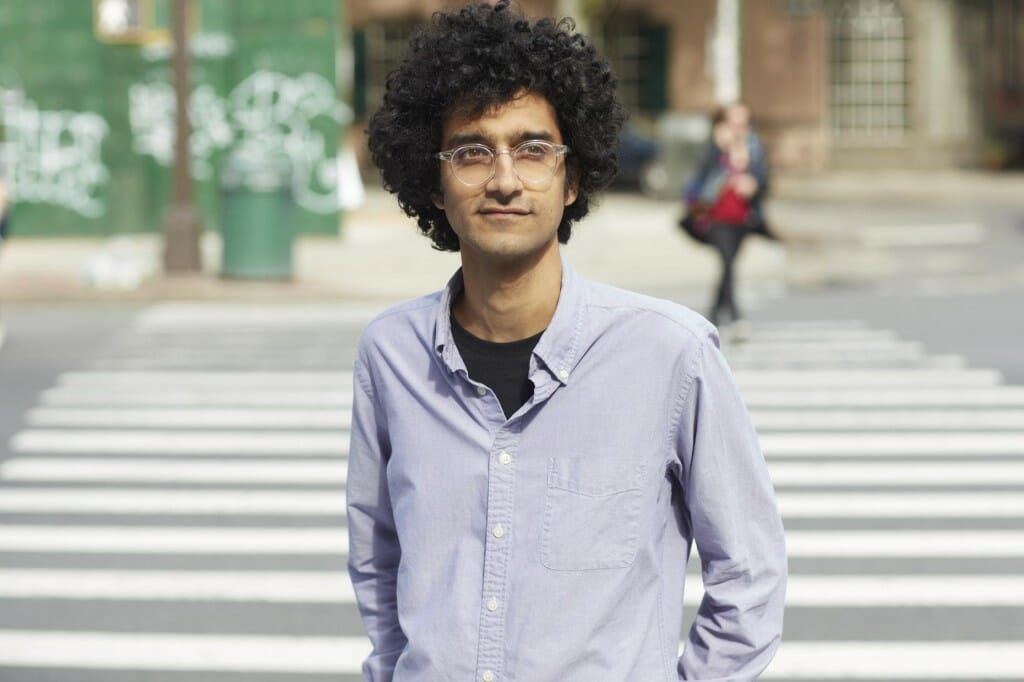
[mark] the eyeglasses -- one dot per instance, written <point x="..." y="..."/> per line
<point x="533" y="161"/>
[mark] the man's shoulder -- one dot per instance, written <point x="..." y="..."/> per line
<point x="667" y="319"/>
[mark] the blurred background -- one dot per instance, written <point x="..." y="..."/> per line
<point x="195" y="238"/>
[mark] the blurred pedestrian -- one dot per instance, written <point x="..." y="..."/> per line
<point x="737" y="116"/>
<point x="724" y="199"/>
<point x="532" y="454"/>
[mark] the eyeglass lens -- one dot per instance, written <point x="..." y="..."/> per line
<point x="533" y="162"/>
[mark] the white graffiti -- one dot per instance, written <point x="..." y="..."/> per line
<point x="151" y="111"/>
<point x="268" y="114"/>
<point x="53" y="157"/>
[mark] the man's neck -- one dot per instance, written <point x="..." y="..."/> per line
<point x="509" y="302"/>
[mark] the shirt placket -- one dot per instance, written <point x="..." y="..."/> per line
<point x="497" y="548"/>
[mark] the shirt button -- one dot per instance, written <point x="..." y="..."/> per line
<point x="505" y="458"/>
<point x="492" y="604"/>
<point x="564" y="374"/>
<point x="499" y="531"/>
<point x="488" y="676"/>
<point x="481" y="390"/>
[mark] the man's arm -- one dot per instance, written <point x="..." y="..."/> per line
<point x="373" y="549"/>
<point x="731" y="508"/>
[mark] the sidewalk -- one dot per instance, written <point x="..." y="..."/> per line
<point x="904" y="188"/>
<point x="628" y="241"/>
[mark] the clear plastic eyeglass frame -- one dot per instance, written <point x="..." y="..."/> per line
<point x="514" y="153"/>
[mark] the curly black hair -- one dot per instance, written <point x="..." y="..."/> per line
<point x="469" y="61"/>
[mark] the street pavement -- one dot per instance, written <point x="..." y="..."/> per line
<point x="172" y="498"/>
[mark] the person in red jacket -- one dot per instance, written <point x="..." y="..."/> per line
<point x="723" y="200"/>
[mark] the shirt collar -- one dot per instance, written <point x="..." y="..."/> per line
<point x="558" y="347"/>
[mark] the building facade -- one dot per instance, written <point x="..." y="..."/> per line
<point x="833" y="84"/>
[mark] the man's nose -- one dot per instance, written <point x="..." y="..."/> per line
<point x="505" y="179"/>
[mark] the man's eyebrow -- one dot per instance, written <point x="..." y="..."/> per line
<point x="534" y="135"/>
<point x="466" y="138"/>
<point x="476" y="137"/>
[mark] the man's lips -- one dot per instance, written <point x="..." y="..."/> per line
<point x="499" y="211"/>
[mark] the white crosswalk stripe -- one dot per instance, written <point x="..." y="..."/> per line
<point x="172" y="540"/>
<point x="129" y="418"/>
<point x="874" y="504"/>
<point x="333" y="587"/>
<point x="875" y="379"/>
<point x="893" y="444"/>
<point x="897" y="660"/>
<point x="883" y="474"/>
<point x="893" y="396"/>
<point x="210" y="445"/>
<point x="329" y="655"/>
<point x="265" y="380"/>
<point x="181" y="443"/>
<point x="912" y="420"/>
<point x="169" y="502"/>
<point x="199" y="397"/>
<point x="905" y="543"/>
<point x="177" y="652"/>
<point x="142" y="469"/>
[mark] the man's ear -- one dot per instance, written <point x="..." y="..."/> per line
<point x="572" y="185"/>
<point x="570" y="194"/>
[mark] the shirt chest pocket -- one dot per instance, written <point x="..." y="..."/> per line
<point x="591" y="513"/>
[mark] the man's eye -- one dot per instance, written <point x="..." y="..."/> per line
<point x="533" y="149"/>
<point x="473" y="154"/>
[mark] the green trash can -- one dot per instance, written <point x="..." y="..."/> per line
<point x="257" y="226"/>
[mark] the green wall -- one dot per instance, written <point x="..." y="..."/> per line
<point x="87" y="126"/>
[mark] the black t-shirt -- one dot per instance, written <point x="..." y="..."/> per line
<point x="504" y="367"/>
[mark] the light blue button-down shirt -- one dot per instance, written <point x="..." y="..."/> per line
<point x="552" y="546"/>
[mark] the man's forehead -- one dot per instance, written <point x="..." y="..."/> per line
<point x="527" y="115"/>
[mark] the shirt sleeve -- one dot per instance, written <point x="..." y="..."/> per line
<point x="374" y="551"/>
<point x="736" y="526"/>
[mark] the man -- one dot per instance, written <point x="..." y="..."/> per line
<point x="532" y="454"/>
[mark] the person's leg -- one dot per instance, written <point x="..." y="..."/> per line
<point x="735" y="240"/>
<point x="715" y="241"/>
<point x="726" y="239"/>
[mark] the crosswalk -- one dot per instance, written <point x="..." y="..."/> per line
<point x="176" y="510"/>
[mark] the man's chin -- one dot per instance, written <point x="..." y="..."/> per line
<point x="506" y="251"/>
